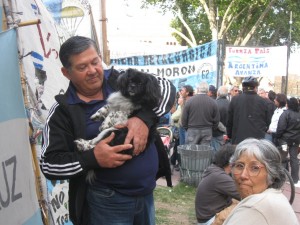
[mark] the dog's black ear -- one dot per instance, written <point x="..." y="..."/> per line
<point x="122" y="81"/>
<point x="113" y="77"/>
<point x="153" y="91"/>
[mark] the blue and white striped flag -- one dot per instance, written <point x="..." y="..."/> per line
<point x="19" y="203"/>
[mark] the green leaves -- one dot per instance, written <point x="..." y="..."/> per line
<point x="241" y="22"/>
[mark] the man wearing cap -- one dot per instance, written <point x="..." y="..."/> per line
<point x="248" y="114"/>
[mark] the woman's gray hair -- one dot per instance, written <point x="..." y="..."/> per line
<point x="266" y="153"/>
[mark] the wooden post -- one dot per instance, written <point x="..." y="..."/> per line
<point x="106" y="54"/>
<point x="35" y="165"/>
<point x="30" y="22"/>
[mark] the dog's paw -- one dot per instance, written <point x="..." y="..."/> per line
<point x="97" y="116"/>
<point x="83" y="145"/>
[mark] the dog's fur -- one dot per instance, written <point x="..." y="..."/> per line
<point x="136" y="90"/>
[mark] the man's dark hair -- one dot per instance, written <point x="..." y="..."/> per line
<point x="293" y="104"/>
<point x="189" y="89"/>
<point x="222" y="157"/>
<point x="272" y="95"/>
<point x="73" y="46"/>
<point x="281" y="99"/>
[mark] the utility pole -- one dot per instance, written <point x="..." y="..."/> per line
<point x="105" y="50"/>
<point x="284" y="87"/>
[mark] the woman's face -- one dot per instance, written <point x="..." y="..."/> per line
<point x="180" y="100"/>
<point x="250" y="175"/>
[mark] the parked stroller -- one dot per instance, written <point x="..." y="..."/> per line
<point x="166" y="135"/>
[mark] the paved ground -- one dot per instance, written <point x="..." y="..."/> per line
<point x="286" y="191"/>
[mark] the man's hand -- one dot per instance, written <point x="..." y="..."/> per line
<point x="138" y="132"/>
<point x="108" y="156"/>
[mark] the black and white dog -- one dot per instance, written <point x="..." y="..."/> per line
<point x="136" y="90"/>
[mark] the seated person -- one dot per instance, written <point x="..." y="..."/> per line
<point x="216" y="190"/>
<point x="259" y="177"/>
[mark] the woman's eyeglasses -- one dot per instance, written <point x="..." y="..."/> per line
<point x="253" y="170"/>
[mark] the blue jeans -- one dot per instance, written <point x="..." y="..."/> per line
<point x="268" y="137"/>
<point x="181" y="136"/>
<point x="217" y="142"/>
<point x="107" y="207"/>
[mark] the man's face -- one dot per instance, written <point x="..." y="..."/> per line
<point x="86" y="72"/>
<point x="262" y="94"/>
<point x="276" y="102"/>
<point x="234" y="91"/>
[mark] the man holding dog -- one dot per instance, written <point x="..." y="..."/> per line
<point x="125" y="195"/>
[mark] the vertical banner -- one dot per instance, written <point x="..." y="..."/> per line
<point x="58" y="201"/>
<point x="190" y="66"/>
<point x="1" y="14"/>
<point x="18" y="198"/>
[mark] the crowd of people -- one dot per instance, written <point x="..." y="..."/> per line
<point x="246" y="119"/>
<point x="232" y="117"/>
<point x="242" y="184"/>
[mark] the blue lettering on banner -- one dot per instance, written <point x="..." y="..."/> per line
<point x="186" y="56"/>
<point x="247" y="66"/>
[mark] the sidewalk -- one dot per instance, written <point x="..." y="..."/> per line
<point x="286" y="191"/>
<point x="296" y="203"/>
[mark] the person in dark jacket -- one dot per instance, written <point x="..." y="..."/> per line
<point x="265" y="95"/>
<point x="120" y="178"/>
<point x="248" y="114"/>
<point x="288" y="131"/>
<point x="216" y="190"/>
<point x="200" y="116"/>
<point x="223" y="105"/>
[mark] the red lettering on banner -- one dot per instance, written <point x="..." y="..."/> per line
<point x="262" y="51"/>
<point x="48" y="51"/>
<point x="249" y="50"/>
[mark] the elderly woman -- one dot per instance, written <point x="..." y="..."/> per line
<point x="259" y="175"/>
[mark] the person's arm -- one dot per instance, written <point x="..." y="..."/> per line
<point x="60" y="158"/>
<point x="248" y="216"/>
<point x="184" y="116"/>
<point x="230" y="120"/>
<point x="227" y="187"/>
<point x="282" y="124"/>
<point x="215" y="117"/>
<point x="270" y="112"/>
<point x="176" y="115"/>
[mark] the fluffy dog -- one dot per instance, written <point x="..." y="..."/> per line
<point x="136" y="91"/>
